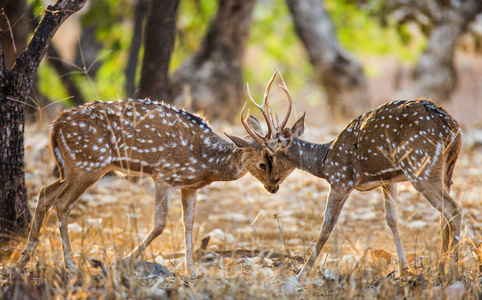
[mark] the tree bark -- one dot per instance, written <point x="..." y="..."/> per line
<point x="14" y="87"/>
<point x="336" y="70"/>
<point x="159" y="38"/>
<point x="130" y="71"/>
<point x="214" y="71"/>
<point x="435" y="75"/>
<point x="14" y="212"/>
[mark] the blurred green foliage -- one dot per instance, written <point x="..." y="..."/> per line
<point x="272" y="42"/>
<point x="361" y="32"/>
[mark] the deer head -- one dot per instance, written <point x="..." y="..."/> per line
<point x="265" y="154"/>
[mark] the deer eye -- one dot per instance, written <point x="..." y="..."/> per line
<point x="262" y="166"/>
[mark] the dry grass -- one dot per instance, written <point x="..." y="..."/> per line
<point x="270" y="233"/>
<point x="359" y="259"/>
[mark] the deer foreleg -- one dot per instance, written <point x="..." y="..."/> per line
<point x="336" y="199"/>
<point x="390" y="201"/>
<point x="188" y="198"/>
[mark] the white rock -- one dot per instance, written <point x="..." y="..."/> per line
<point x="290" y="286"/>
<point x="220" y="237"/>
<point x="417" y="224"/>
<point x="455" y="291"/>
<point x="94" y="222"/>
<point x="75" y="227"/>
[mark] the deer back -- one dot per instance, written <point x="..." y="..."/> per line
<point x="397" y="139"/>
<point x="139" y="137"/>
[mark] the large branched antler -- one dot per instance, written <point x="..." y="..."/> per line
<point x="284" y="87"/>
<point x="273" y="130"/>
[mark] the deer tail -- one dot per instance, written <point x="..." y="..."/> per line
<point x="59" y="159"/>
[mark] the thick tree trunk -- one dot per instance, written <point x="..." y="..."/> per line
<point x="14" y="87"/>
<point x="435" y="75"/>
<point x="214" y="71"/>
<point x="14" y="212"/>
<point x="131" y="67"/>
<point x="159" y="37"/>
<point x="336" y="70"/>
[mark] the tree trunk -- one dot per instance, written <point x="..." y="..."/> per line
<point x="14" y="87"/>
<point x="214" y="71"/>
<point x="159" y="37"/>
<point x="130" y="71"/>
<point x="435" y="75"/>
<point x="336" y="70"/>
<point x="14" y="213"/>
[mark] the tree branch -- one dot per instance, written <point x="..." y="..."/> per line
<point x="29" y="60"/>
<point x="2" y="64"/>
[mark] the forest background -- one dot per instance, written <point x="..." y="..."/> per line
<point x="375" y="51"/>
<point x="387" y="38"/>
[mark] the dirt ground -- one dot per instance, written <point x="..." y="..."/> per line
<point x="117" y="212"/>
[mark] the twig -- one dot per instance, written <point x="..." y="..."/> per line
<point x="288" y="253"/>
<point x="11" y="30"/>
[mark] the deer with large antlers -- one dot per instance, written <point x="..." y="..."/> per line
<point x="414" y="141"/>
<point x="177" y="149"/>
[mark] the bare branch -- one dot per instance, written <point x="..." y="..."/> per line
<point x="29" y="60"/>
<point x="10" y="29"/>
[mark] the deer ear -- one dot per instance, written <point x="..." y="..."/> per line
<point x="239" y="141"/>
<point x="254" y="123"/>
<point x="299" y="128"/>
<point x="285" y="139"/>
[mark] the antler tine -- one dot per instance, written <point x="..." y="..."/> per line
<point x="264" y="107"/>
<point x="256" y="136"/>
<point x="284" y="87"/>
<point x="251" y="97"/>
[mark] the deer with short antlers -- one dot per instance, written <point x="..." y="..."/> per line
<point x="414" y="141"/>
<point x="177" y="149"/>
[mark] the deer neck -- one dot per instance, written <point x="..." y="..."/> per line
<point x="226" y="162"/>
<point x="308" y="156"/>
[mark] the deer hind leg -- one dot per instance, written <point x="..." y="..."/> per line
<point x="76" y="185"/>
<point x="450" y="223"/>
<point x="188" y="198"/>
<point x="336" y="200"/>
<point x="425" y="168"/>
<point x="446" y="228"/>
<point x="163" y="194"/>
<point x="390" y="201"/>
<point x="46" y="198"/>
<point x="437" y="194"/>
